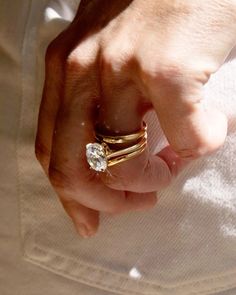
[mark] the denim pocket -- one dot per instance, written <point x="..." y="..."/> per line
<point x="186" y="245"/>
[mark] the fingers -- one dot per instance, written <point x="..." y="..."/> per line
<point x="52" y="96"/>
<point x="174" y="162"/>
<point x="68" y="171"/>
<point x="52" y="93"/>
<point x="147" y="172"/>
<point x="121" y="112"/>
<point x="85" y="220"/>
<point x="53" y="87"/>
<point x="191" y="129"/>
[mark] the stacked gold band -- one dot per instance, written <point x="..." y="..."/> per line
<point x="100" y="155"/>
<point x="117" y="139"/>
<point x="115" y="157"/>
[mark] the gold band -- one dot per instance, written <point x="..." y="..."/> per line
<point x="126" y="157"/>
<point x="113" y="154"/>
<point x="100" y="155"/>
<point x="117" y="139"/>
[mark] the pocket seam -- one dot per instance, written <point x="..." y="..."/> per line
<point x="141" y="284"/>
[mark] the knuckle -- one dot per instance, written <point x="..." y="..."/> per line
<point x="188" y="154"/>
<point x="83" y="56"/>
<point x="198" y="150"/>
<point x="73" y="62"/>
<point x="115" y="58"/>
<point x="78" y="69"/>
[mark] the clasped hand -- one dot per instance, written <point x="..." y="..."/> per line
<point x="116" y="61"/>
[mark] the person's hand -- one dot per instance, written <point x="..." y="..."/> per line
<point x="116" y="61"/>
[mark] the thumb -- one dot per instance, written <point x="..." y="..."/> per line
<point x="191" y="128"/>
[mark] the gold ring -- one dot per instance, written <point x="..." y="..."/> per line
<point x="122" y="138"/>
<point x="100" y="155"/>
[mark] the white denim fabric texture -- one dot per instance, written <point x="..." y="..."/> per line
<point x="186" y="245"/>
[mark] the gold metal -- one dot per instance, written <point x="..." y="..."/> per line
<point x="105" y="154"/>
<point x="126" y="157"/>
<point x="118" y="156"/>
<point x="128" y="150"/>
<point x="117" y="139"/>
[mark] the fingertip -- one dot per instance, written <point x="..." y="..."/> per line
<point x="213" y="125"/>
<point x="217" y="130"/>
<point x="201" y="134"/>
<point x="85" y="220"/>
<point x="82" y="229"/>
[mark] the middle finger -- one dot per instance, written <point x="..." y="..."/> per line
<point x="68" y="170"/>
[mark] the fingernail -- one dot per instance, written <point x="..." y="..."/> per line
<point x="83" y="231"/>
<point x="91" y="233"/>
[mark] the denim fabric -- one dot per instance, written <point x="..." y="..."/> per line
<point x="186" y="245"/>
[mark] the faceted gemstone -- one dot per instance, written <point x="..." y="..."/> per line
<point x="96" y="157"/>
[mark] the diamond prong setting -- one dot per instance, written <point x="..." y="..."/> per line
<point x="96" y="157"/>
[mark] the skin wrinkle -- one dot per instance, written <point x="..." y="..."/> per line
<point x="116" y="61"/>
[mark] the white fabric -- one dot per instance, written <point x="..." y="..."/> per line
<point x="185" y="246"/>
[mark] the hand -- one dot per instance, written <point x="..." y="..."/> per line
<point x="116" y="61"/>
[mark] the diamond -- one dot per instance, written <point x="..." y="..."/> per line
<point x="96" y="157"/>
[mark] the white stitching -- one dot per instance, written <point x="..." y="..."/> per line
<point x="123" y="277"/>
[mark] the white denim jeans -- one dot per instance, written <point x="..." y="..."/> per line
<point x="186" y="245"/>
